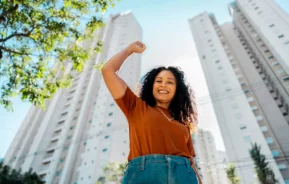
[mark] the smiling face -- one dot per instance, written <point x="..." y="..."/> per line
<point x="164" y="88"/>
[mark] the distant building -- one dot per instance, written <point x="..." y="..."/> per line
<point x="211" y="163"/>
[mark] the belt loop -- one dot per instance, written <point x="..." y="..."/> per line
<point x="142" y="163"/>
<point x="188" y="164"/>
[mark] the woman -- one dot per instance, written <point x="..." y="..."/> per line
<point x="161" y="148"/>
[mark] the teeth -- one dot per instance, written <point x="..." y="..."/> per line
<point x="163" y="92"/>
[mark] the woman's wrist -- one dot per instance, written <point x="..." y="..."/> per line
<point x="128" y="51"/>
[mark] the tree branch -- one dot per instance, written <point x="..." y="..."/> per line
<point x="17" y="34"/>
<point x="12" y="51"/>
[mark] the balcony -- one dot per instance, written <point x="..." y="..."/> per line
<point x="54" y="138"/>
<point x="49" y="159"/>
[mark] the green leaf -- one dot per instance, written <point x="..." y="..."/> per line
<point x="48" y="39"/>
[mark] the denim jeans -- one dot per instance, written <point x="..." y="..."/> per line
<point x="159" y="169"/>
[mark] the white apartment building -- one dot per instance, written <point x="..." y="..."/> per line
<point x="237" y="118"/>
<point x="82" y="129"/>
<point x="261" y="27"/>
<point x="211" y="163"/>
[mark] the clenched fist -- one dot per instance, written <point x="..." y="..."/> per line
<point x="137" y="47"/>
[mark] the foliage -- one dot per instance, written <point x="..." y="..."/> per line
<point x="36" y="37"/>
<point x="113" y="173"/>
<point x="264" y="173"/>
<point x="12" y="176"/>
<point x="232" y="175"/>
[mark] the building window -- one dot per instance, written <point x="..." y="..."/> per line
<point x="104" y="150"/>
<point x="110" y="114"/>
<point x="243" y="127"/>
<point x="259" y="118"/>
<point x="272" y="25"/>
<point x="281" y="36"/>
<point x="220" y="68"/>
<point x="106" y="137"/>
<point x="275" y="153"/>
<point x="271" y="57"/>
<point x="286" y="43"/>
<point x="286" y="78"/>
<point x="269" y="140"/>
<point x="247" y="138"/>
<point x="281" y="70"/>
<point x="254" y="108"/>
<point x="64" y="114"/>
<point x="108" y="124"/>
<point x="250" y="99"/>
<point x="246" y="91"/>
<point x="58" y="173"/>
<point x="282" y="166"/>
<point x="61" y="122"/>
<point x="276" y="63"/>
<point x="67" y="105"/>
<point x="257" y="8"/>
<point x="264" y="128"/>
<point x="266" y="51"/>
<point x="218" y="61"/>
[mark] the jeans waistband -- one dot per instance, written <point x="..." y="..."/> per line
<point x="159" y="158"/>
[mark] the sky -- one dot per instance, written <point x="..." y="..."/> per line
<point x="169" y="41"/>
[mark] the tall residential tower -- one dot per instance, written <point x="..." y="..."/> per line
<point x="246" y="109"/>
<point x="82" y="129"/>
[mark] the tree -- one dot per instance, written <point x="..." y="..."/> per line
<point x="113" y="173"/>
<point x="264" y="172"/>
<point x="232" y="175"/>
<point x="37" y="36"/>
<point x="12" y="176"/>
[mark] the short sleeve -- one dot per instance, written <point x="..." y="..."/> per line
<point x="128" y="102"/>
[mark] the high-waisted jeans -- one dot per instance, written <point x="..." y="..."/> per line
<point x="159" y="169"/>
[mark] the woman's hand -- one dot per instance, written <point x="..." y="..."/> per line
<point x="136" y="47"/>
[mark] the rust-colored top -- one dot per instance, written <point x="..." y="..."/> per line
<point x="150" y="132"/>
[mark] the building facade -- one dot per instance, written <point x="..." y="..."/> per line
<point x="82" y="129"/>
<point x="211" y="163"/>
<point x="238" y="112"/>
<point x="260" y="28"/>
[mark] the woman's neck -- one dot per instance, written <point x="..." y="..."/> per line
<point x="163" y="105"/>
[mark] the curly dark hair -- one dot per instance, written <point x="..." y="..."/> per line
<point x="183" y="106"/>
